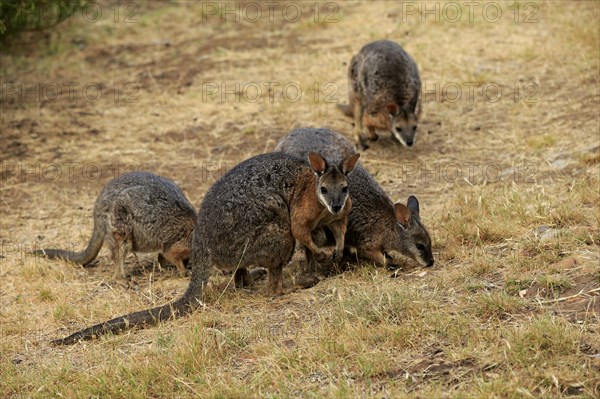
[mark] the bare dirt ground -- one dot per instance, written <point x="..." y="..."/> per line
<point x="506" y="166"/>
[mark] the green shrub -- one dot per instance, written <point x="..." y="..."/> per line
<point x="21" y="15"/>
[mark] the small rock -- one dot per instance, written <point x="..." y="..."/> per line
<point x="545" y="233"/>
<point x="560" y="163"/>
<point x="550" y="235"/>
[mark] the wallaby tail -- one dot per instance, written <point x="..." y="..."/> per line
<point x="84" y="257"/>
<point x="178" y="308"/>
<point x="346" y="109"/>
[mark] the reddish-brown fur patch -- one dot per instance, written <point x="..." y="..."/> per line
<point x="308" y="212"/>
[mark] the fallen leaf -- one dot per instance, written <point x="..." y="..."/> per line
<point x="522" y="293"/>
<point x="422" y="274"/>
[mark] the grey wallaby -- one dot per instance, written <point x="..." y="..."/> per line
<point x="384" y="88"/>
<point x="137" y="212"/>
<point x="332" y="191"/>
<point x="251" y="216"/>
<point x="378" y="229"/>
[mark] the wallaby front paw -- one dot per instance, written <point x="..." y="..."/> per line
<point x="321" y="256"/>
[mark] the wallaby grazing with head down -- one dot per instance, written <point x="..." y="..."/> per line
<point x="137" y="212"/>
<point x="333" y="189"/>
<point x="384" y="88"/>
<point x="252" y="216"/>
<point x="378" y="229"/>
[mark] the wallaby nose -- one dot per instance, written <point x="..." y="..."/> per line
<point x="336" y="208"/>
<point x="430" y="263"/>
<point x="409" y="143"/>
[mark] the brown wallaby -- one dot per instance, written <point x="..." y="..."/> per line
<point x="332" y="189"/>
<point x="138" y="212"/>
<point x="384" y="88"/>
<point x="378" y="229"/>
<point x="251" y="216"/>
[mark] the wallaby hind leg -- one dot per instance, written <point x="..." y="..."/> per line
<point x="180" y="268"/>
<point x="258" y="273"/>
<point x="120" y="237"/>
<point x="358" y="125"/>
<point x="302" y="233"/>
<point x="375" y="255"/>
<point x="244" y="278"/>
<point x="118" y="249"/>
<point x="275" y="280"/>
<point x="162" y="261"/>
<point x="311" y="263"/>
<point x="372" y="133"/>
<point x="173" y="258"/>
<point x="338" y="228"/>
<point x="308" y="277"/>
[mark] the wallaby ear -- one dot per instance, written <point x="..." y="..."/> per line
<point x="317" y="163"/>
<point x="393" y="109"/>
<point x="348" y="164"/>
<point x="413" y="205"/>
<point x="402" y="214"/>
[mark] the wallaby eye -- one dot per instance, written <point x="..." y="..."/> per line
<point x="323" y="190"/>
<point x="345" y="189"/>
<point x="421" y="247"/>
<point x="399" y="129"/>
<point x="415" y="128"/>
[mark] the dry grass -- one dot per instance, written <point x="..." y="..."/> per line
<point x="506" y="311"/>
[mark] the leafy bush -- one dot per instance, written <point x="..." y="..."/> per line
<point x="20" y="15"/>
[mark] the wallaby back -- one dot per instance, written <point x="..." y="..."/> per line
<point x="384" y="92"/>
<point x="245" y="220"/>
<point x="139" y="212"/>
<point x="331" y="145"/>
<point x="374" y="228"/>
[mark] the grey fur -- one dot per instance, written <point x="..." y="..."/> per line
<point x="137" y="212"/>
<point x="384" y="92"/>
<point x="245" y="220"/>
<point x="373" y="228"/>
<point x="331" y="145"/>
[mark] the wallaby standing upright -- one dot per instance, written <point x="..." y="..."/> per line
<point x="378" y="229"/>
<point x="137" y="212"/>
<point x="332" y="188"/>
<point x="251" y="216"/>
<point x="384" y="88"/>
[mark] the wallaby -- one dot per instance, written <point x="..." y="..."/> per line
<point x="333" y="189"/>
<point x="137" y="212"/>
<point x="251" y="216"/>
<point x="378" y="229"/>
<point x="384" y="88"/>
